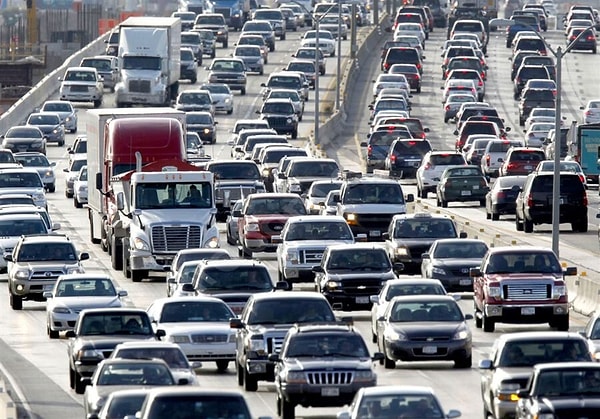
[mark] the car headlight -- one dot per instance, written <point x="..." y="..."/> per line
<point x="61" y="310"/>
<point x="296" y="377"/>
<point x="252" y="227"/>
<point x="228" y="100"/>
<point x="289" y="121"/>
<point x="22" y="274"/>
<point x="55" y="131"/>
<point x="292" y="256"/>
<point x="351" y="219"/>
<point x="508" y="392"/>
<point x="75" y="270"/>
<point x="401" y="251"/>
<point x="363" y="375"/>
<point x="179" y="339"/>
<point x="332" y="285"/>
<point x="213" y="243"/>
<point x="48" y="173"/>
<point x="206" y="130"/>
<point x="39" y="197"/>
<point x="438" y="271"/>
<point x="90" y="353"/>
<point x="461" y="334"/>
<point x="393" y="335"/>
<point x="558" y="291"/>
<point x="257" y="344"/>
<point x="140" y="244"/>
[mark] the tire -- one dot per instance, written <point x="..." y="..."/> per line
<point x="464" y="362"/>
<point x="230" y="238"/>
<point x="373" y="337"/>
<point x="243" y="92"/>
<point x="527" y="226"/>
<point x="478" y="320"/>
<point x="230" y="111"/>
<point x="282" y="37"/>
<point x="240" y="374"/>
<point x="518" y="223"/>
<point x="287" y="409"/>
<point x="78" y="384"/>
<point x="495" y="216"/>
<point x="419" y="89"/>
<point x="482" y="203"/>
<point x="52" y="188"/>
<point x="581" y="226"/>
<point x="76" y="203"/>
<point x="194" y="80"/>
<point x="97" y="103"/>
<point x="124" y="258"/>
<point x="137" y="276"/>
<point x="52" y="334"/>
<point x="444" y="203"/>
<point x="332" y="54"/>
<point x="213" y="54"/>
<point x="116" y="255"/>
<point x="68" y="195"/>
<point x="389" y="364"/>
<point x="487" y="324"/>
<point x="74" y="130"/>
<point x="226" y="43"/>
<point x="245" y="253"/>
<point x="272" y="48"/>
<point x="222" y="365"/>
<point x="250" y="383"/>
<point x="16" y="302"/>
<point x="561" y="324"/>
<point x="71" y="378"/>
<point x="422" y="194"/>
<point x="295" y="134"/>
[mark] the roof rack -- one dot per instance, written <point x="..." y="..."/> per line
<point x="350" y="174"/>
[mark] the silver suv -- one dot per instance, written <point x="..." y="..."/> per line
<point x="82" y="84"/>
<point x="36" y="263"/>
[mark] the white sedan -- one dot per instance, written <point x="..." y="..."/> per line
<point x="537" y="133"/>
<point x="412" y="29"/>
<point x="199" y="325"/>
<point x="73" y="293"/>
<point x="591" y="112"/>
<point x="326" y="41"/>
<point x="397" y="81"/>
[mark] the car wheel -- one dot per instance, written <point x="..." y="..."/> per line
<point x="389" y="364"/>
<point x="79" y="385"/>
<point x="226" y="43"/>
<point x="71" y="377"/>
<point x="52" y="334"/>
<point x="68" y="194"/>
<point x="271" y="48"/>
<point x="482" y="203"/>
<point x="213" y="54"/>
<point x="52" y="188"/>
<point x="561" y="324"/>
<point x="287" y="409"/>
<point x="250" y="383"/>
<point x="373" y="337"/>
<point x="246" y="254"/>
<point x="295" y="134"/>
<point x="137" y="276"/>
<point x="527" y="225"/>
<point x="580" y="226"/>
<point x="477" y="316"/>
<point x="194" y="80"/>
<point x="518" y="223"/>
<point x="222" y="365"/>
<point x="487" y="323"/>
<point x="230" y="238"/>
<point x="97" y="103"/>
<point x="243" y="92"/>
<point x="16" y="302"/>
<point x="332" y="53"/>
<point x="240" y="374"/>
<point x="422" y="194"/>
<point x="465" y="362"/>
<point x="495" y="216"/>
<point x="74" y="130"/>
<point x="487" y="215"/>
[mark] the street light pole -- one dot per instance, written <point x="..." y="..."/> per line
<point x="339" y="58"/>
<point x="558" y="54"/>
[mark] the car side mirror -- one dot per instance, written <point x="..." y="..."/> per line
<point x="84" y="256"/>
<point x="188" y="288"/>
<point x="8" y="257"/>
<point x="318" y="269"/>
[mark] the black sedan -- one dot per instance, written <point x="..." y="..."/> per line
<point x="462" y="184"/>
<point x="450" y="261"/>
<point x="425" y="328"/>
<point x="203" y="124"/>
<point x="50" y="124"/>
<point x="24" y="138"/>
<point x="501" y="199"/>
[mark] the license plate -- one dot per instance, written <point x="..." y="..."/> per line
<point x="528" y="167"/>
<point x="465" y="193"/>
<point x="362" y="300"/>
<point x="330" y="391"/>
<point x="464" y="282"/>
<point x="476" y="187"/>
<point x="430" y="349"/>
<point x="527" y="311"/>
<point x="139" y="99"/>
<point x="374" y="233"/>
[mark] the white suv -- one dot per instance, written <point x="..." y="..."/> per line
<point x="432" y="166"/>
<point x="82" y="84"/>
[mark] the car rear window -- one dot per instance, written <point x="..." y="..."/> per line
<point x="468" y="27"/>
<point x="403" y="54"/>
<point x="447" y="159"/>
<point x="412" y="147"/>
<point x="534" y="73"/>
<point x="527" y="155"/>
<point x="530" y="44"/>
<point x="539" y="95"/>
<point x="568" y="183"/>
<point x="502" y="146"/>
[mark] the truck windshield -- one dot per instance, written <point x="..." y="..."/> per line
<point x="368" y="193"/>
<point x="141" y="63"/>
<point x="173" y="195"/>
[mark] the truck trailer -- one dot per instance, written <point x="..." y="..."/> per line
<point x="149" y="61"/>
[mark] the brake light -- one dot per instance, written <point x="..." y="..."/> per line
<point x="582" y="178"/>
<point x="530" y="201"/>
<point x="588" y="113"/>
<point x="487" y="160"/>
<point x="393" y="158"/>
<point x="427" y="166"/>
<point x="590" y="38"/>
<point x="423" y="135"/>
<point x="500" y="195"/>
<point x="418" y="66"/>
<point x="369" y="150"/>
<point x="585" y="200"/>
<point x="447" y="107"/>
<point x="480" y="83"/>
<point x="386" y="66"/>
<point x="412" y="143"/>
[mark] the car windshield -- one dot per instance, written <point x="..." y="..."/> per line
<point x="209" y="20"/>
<point x="16" y="200"/>
<point x="247" y="52"/>
<point x="285" y="94"/>
<point x="367" y="193"/>
<point x="100" y="65"/>
<point x="43" y="120"/>
<point x="195" y="311"/>
<point x="174" y="357"/>
<point x="413" y="289"/>
<point x="285" y="311"/>
<point x="135" y="375"/>
<point x="33" y="161"/>
<point x="141" y="63"/>
<point x="274" y="156"/>
<point x="302" y="67"/>
<point x="257" y="27"/>
<point x="200" y="119"/>
<point x="415" y="228"/>
<point x="318" y="231"/>
<point x="464" y="172"/>
<point x="57" y="107"/>
<point x="76" y="165"/>
<point x="284" y="81"/>
<point x="414" y="405"/>
<point x="423" y="311"/>
<point x="368" y="260"/>
<point x="199" y="406"/>
<point x="322" y="35"/>
<point x="187" y="55"/>
<point x="314" y="169"/>
<point x="20" y="180"/>
<point x="235" y="171"/>
<point x="126" y="405"/>
<point x="568" y="382"/>
<point x="195" y="98"/>
<point x="85" y="287"/>
<point x="459" y="250"/>
<point x="320" y="190"/>
<point x="81" y="76"/>
<point x="30" y="252"/>
<point x="173" y="195"/>
<point x="520" y="262"/>
<point x="235" y="278"/>
<point x="115" y="324"/>
<point x="282" y="108"/>
<point x="189" y="38"/>
<point x="321" y="345"/>
<point x="18" y="228"/>
<point x="228" y="65"/>
<point x="268" y="206"/>
<point x="23" y="132"/>
<point x="529" y="353"/>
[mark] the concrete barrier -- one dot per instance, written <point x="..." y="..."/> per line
<point x="47" y="86"/>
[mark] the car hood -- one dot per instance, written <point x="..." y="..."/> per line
<point x="458" y="263"/>
<point x="47" y="128"/>
<point x="268" y="218"/>
<point x="364" y="275"/>
<point x="78" y="83"/>
<point x="328" y="364"/>
<point x="572" y="403"/>
<point x="184" y="216"/>
<point x="102" y="342"/>
<point x="429" y="329"/>
<point x="76" y="304"/>
<point x="104" y="391"/>
<point x="194" y="327"/>
<point x="375" y="208"/>
<point x="220" y="96"/>
<point x="13" y="140"/>
<point x="512" y="373"/>
<point x="26" y="190"/>
<point x="527" y="276"/>
<point x="315" y="244"/>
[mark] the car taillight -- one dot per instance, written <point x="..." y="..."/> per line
<point x="480" y="83"/>
<point x="518" y="80"/>
<point x="386" y="66"/>
<point x="501" y="195"/>
<point x="447" y="107"/>
<point x="369" y="150"/>
<point x="423" y="134"/>
<point x="487" y="160"/>
<point x="393" y="158"/>
<point x="582" y="178"/>
<point x="590" y="38"/>
<point x="588" y="113"/>
<point x="428" y="166"/>
<point x="530" y="201"/>
<point x="448" y="183"/>
<point x="585" y="201"/>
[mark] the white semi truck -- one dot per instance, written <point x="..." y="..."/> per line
<point x="149" y="61"/>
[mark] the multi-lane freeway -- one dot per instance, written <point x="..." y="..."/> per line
<point x="38" y="367"/>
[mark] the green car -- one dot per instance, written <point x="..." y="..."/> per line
<point x="462" y="184"/>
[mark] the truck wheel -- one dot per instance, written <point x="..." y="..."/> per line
<point x="287" y="409"/>
<point x="76" y="203"/>
<point x="52" y="188"/>
<point x="294" y="134"/>
<point x="116" y="255"/>
<point x="226" y="43"/>
<point x="243" y="91"/>
<point x="222" y="365"/>
<point x="487" y="323"/>
<point x="561" y="324"/>
<point x="68" y="195"/>
<point x="240" y="374"/>
<point x="125" y="259"/>
<point x="16" y="302"/>
<point x="250" y="383"/>
<point x="495" y="216"/>
<point x="527" y="225"/>
<point x="193" y="80"/>
<point x="71" y="377"/>
<point x="97" y="103"/>
<point x="213" y="54"/>
<point x="137" y="276"/>
<point x="79" y="385"/>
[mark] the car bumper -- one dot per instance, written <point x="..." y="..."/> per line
<point x="540" y="313"/>
<point x="74" y="97"/>
<point x="62" y="322"/>
<point x="260" y="245"/>
<point x="209" y="352"/>
<point x="455" y="283"/>
<point x="31" y="288"/>
<point x="348" y="302"/>
<point x="261" y="369"/>
<point x="321" y="396"/>
<point x="428" y="351"/>
<point x="299" y="273"/>
<point x="464" y="195"/>
<point x="151" y="262"/>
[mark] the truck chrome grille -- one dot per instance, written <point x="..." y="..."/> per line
<point x="274" y="344"/>
<point x="358" y="287"/>
<point x="79" y="88"/>
<point x="139" y="86"/>
<point x="311" y="256"/>
<point x="209" y="338"/>
<point x="176" y="238"/>
<point x="330" y="377"/>
<point x="46" y="274"/>
<point x="527" y="291"/>
<point x="234" y="192"/>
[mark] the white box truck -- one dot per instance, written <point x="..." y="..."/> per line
<point x="149" y="61"/>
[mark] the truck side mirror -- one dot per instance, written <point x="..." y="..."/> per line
<point x="120" y="201"/>
<point x="99" y="181"/>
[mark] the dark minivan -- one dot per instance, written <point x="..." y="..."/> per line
<point x="402" y="55"/>
<point x="405" y="156"/>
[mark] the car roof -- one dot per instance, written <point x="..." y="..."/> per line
<point x="533" y="335"/>
<point x="412" y="280"/>
<point x="304" y="295"/>
<point x="85" y="276"/>
<point x="316" y="218"/>
<point x="188" y="299"/>
<point x="232" y="263"/>
<point x="435" y="298"/>
<point x="396" y="390"/>
<point x="357" y="246"/>
<point x="21" y="216"/>
<point x="148" y="344"/>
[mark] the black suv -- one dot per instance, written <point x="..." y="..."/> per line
<point x="526" y="73"/>
<point x="281" y="115"/>
<point x="404" y="157"/>
<point x="216" y="23"/>
<point x="349" y="274"/>
<point x="401" y="55"/>
<point x="378" y="146"/>
<point x="263" y="325"/>
<point x="545" y="60"/>
<point x="535" y="98"/>
<point x="36" y="263"/>
<point x="534" y="202"/>
<point x="519" y="58"/>
<point x="321" y="366"/>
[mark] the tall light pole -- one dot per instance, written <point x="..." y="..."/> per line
<point x="558" y="54"/>
<point x="339" y="57"/>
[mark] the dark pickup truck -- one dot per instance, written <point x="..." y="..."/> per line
<point x="534" y="98"/>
